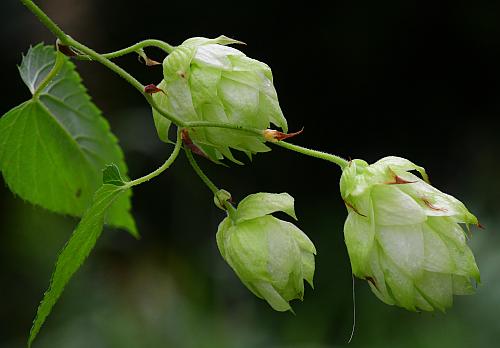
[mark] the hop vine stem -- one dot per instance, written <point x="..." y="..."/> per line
<point x="104" y="59"/>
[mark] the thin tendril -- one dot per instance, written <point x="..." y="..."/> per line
<point x="353" y="310"/>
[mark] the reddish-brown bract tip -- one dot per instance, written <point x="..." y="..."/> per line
<point x="151" y="89"/>
<point x="274" y="135"/>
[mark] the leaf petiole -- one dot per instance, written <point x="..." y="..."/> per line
<point x="133" y="49"/>
<point x="58" y="64"/>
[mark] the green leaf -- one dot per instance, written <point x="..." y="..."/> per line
<point x="77" y="249"/>
<point x="54" y="146"/>
<point x="111" y="175"/>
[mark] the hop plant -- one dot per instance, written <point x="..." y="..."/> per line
<point x="204" y="80"/>
<point x="272" y="257"/>
<point x="57" y="151"/>
<point x="403" y="235"/>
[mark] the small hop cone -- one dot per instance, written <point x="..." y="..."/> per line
<point x="403" y="235"/>
<point x="272" y="257"/>
<point x="204" y="80"/>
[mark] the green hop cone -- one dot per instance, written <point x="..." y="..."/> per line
<point x="403" y="235"/>
<point x="272" y="257"/>
<point x="204" y="80"/>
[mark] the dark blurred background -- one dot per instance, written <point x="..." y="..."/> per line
<point x="365" y="78"/>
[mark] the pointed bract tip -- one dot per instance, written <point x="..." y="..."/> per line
<point x="224" y="40"/>
<point x="151" y="89"/>
<point x="275" y="136"/>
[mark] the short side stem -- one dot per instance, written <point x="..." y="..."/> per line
<point x="229" y="207"/>
<point x="342" y="163"/>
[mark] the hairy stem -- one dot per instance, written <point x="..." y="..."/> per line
<point x="164" y="166"/>
<point x="59" y="62"/>
<point x="229" y="207"/>
<point x="342" y="163"/>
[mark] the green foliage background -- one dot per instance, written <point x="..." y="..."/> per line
<point x="365" y="79"/>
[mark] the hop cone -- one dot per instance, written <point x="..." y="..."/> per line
<point x="272" y="257"/>
<point x="404" y="236"/>
<point x="204" y="80"/>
